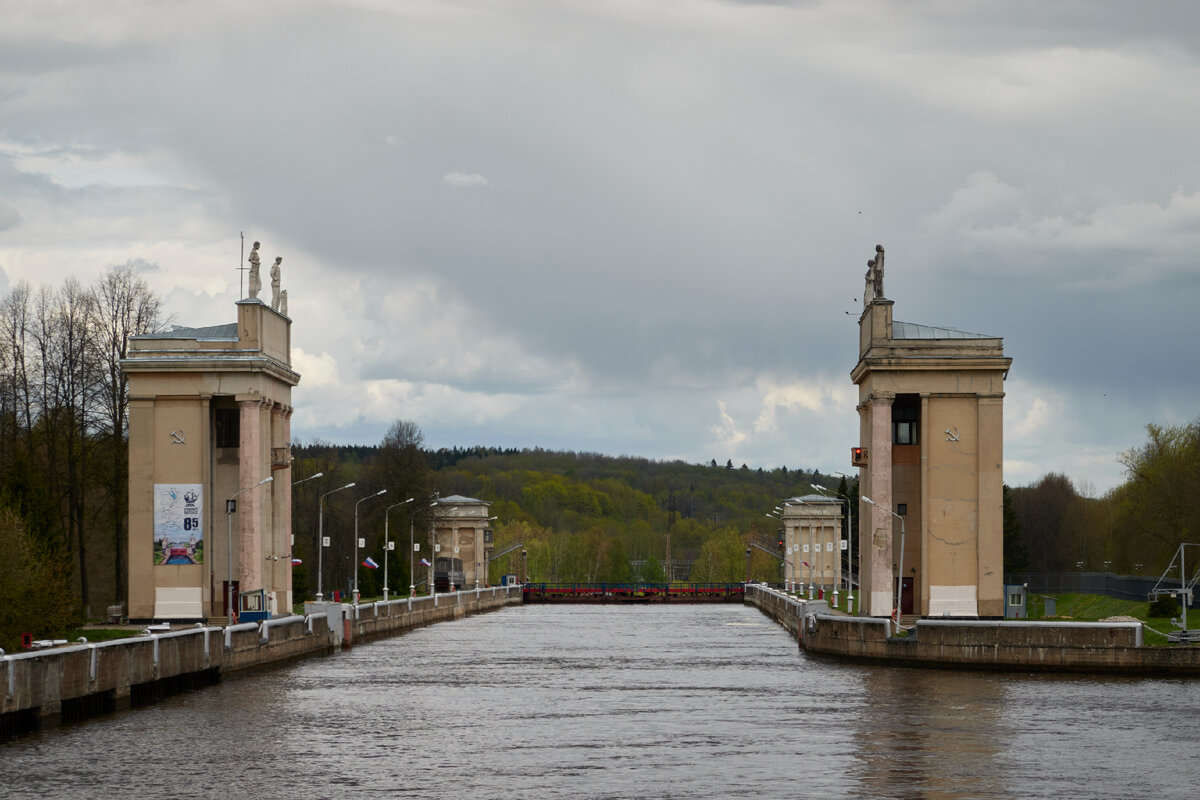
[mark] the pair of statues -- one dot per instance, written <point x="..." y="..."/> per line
<point x="874" y="279"/>
<point x="278" y="297"/>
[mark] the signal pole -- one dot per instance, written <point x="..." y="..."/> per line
<point x="670" y="524"/>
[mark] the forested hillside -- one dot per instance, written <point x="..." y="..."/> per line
<point x="589" y="517"/>
<point x="580" y="516"/>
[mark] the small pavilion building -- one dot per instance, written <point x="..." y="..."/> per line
<point x="461" y="532"/>
<point x="813" y="544"/>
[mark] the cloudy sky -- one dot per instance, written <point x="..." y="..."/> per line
<point x="635" y="226"/>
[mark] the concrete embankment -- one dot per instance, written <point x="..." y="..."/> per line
<point x="1007" y="645"/>
<point x="77" y="681"/>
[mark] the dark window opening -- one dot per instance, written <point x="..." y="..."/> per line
<point x="227" y="427"/>
<point x="905" y="412"/>
<point x="902" y="509"/>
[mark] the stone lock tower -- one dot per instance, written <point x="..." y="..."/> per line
<point x="209" y="421"/>
<point x="930" y="403"/>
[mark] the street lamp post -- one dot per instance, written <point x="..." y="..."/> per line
<point x="321" y="536"/>
<point x="386" y="542"/>
<point x="356" y="505"/>
<point x="230" y="505"/>
<point x="849" y="544"/>
<point x="850" y="548"/>
<point x="309" y="478"/>
<point x="900" y="564"/>
<point x="788" y="574"/>
<point x="812" y="559"/>
<point x="479" y="566"/>
<point x="292" y="543"/>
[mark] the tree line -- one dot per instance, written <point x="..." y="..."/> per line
<point x="63" y="454"/>
<point x="1134" y="529"/>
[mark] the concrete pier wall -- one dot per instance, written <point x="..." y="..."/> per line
<point x="362" y="623"/>
<point x="1010" y="645"/>
<point x="82" y="679"/>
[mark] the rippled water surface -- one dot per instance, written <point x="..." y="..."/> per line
<point x="623" y="702"/>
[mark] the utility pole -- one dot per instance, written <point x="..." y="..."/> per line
<point x="670" y="524"/>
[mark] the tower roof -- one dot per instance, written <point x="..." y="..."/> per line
<point x="912" y="330"/>
<point x="222" y="332"/>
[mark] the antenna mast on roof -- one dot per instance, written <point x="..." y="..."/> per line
<point x="242" y="266"/>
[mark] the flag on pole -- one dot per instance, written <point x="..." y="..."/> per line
<point x="425" y="563"/>
<point x="296" y="562"/>
<point x="370" y="562"/>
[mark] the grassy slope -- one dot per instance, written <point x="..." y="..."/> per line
<point x="1091" y="607"/>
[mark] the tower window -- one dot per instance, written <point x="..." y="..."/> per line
<point x="227" y="427"/>
<point x="904" y="424"/>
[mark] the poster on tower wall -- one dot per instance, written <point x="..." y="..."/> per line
<point x="178" y="533"/>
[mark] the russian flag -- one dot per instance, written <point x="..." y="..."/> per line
<point x="296" y="562"/>
<point x="425" y="563"/>
<point x="370" y="562"/>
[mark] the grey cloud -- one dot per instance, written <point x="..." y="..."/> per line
<point x="9" y="216"/>
<point x="672" y="204"/>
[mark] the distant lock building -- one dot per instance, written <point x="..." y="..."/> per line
<point x="461" y="531"/>
<point x="930" y="404"/>
<point x="209" y="421"/>
<point x="813" y="542"/>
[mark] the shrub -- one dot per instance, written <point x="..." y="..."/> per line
<point x="35" y="590"/>
<point x="1164" y="606"/>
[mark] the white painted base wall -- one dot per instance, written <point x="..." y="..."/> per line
<point x="881" y="604"/>
<point x="178" y="602"/>
<point x="953" y="601"/>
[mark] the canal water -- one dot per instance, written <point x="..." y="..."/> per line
<point x="624" y="702"/>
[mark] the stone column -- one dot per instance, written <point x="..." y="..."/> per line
<point x="281" y="570"/>
<point x="879" y="602"/>
<point x="990" y="508"/>
<point x="863" y="535"/>
<point x="249" y="504"/>
<point x="791" y="538"/>
<point x="480" y="558"/>
<point x="433" y="554"/>
<point x="926" y="434"/>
